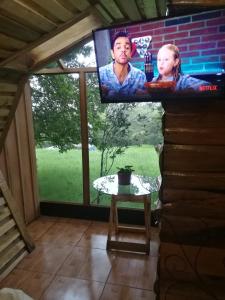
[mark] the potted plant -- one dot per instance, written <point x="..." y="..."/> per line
<point x="124" y="175"/>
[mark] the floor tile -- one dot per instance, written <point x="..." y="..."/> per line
<point x="118" y="292"/>
<point x="40" y="226"/>
<point x="134" y="270"/>
<point x="95" y="236"/>
<point x="32" y="283"/>
<point x="64" y="288"/>
<point x="78" y="223"/>
<point x="87" y="263"/>
<point x="63" y="234"/>
<point x="45" y="258"/>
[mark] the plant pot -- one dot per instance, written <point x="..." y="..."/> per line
<point x="124" y="178"/>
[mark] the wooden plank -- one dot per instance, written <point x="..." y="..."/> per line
<point x="194" y="128"/>
<point x="197" y="181"/>
<point x="5" y="53"/>
<point x="19" y="89"/>
<point x="32" y="205"/>
<point x="25" y="15"/>
<point x="81" y="5"/>
<point x="130" y="9"/>
<point x="128" y="246"/>
<point x="104" y="14"/>
<point x="16" y="30"/>
<point x="69" y="5"/>
<point x="4" y="213"/>
<point x="4" y="112"/>
<point x="66" y="70"/>
<point x="202" y="208"/>
<point x="41" y="11"/>
<point x="6" y="100"/>
<point x="13" y="264"/>
<point x="185" y="262"/>
<point x="180" y="195"/>
<point x="8" y="238"/>
<point x="24" y="163"/>
<point x="16" y="214"/>
<point x="2" y="201"/>
<point x="9" y="75"/>
<point x="194" y="107"/>
<point x="11" y="254"/>
<point x="55" y="9"/>
<point x="148" y="9"/>
<point x="8" y="87"/>
<point x="187" y="230"/>
<point x="112" y="9"/>
<point x="7" y="226"/>
<point x="10" y="43"/>
<point x="14" y="181"/>
<point x="194" y="136"/>
<point x="195" y="121"/>
<point x="194" y="158"/>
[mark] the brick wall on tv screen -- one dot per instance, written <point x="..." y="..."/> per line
<point x="200" y="39"/>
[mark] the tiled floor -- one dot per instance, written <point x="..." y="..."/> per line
<point x="70" y="262"/>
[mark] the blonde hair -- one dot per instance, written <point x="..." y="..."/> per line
<point x="177" y="69"/>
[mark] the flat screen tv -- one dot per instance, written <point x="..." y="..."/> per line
<point x="166" y="58"/>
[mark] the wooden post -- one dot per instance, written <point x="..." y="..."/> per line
<point x="84" y="134"/>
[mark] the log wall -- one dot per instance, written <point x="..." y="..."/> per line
<point x="192" y="250"/>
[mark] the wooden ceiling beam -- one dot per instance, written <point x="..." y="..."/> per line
<point x="48" y="71"/>
<point x="55" y="47"/>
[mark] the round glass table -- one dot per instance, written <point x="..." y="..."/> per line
<point x="139" y="190"/>
<point x="139" y="186"/>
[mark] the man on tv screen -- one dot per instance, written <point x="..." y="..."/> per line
<point x="120" y="78"/>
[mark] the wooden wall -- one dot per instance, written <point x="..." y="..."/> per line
<point x="17" y="160"/>
<point x="192" y="250"/>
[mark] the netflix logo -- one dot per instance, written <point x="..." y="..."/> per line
<point x="204" y="88"/>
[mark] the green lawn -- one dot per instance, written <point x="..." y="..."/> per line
<point x="60" y="174"/>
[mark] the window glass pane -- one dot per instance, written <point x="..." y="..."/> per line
<point x="56" y="115"/>
<point x="121" y="134"/>
<point x="80" y="57"/>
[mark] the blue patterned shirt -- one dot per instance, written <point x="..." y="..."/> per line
<point x="133" y="82"/>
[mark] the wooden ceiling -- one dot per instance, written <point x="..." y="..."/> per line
<point x="32" y="31"/>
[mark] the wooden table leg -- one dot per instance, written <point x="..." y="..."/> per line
<point x="110" y="229"/>
<point x="114" y="225"/>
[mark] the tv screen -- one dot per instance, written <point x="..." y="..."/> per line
<point x="171" y="57"/>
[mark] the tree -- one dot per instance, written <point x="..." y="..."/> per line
<point x="55" y="104"/>
<point x="112" y="136"/>
<point x="56" y="111"/>
<point x="146" y="122"/>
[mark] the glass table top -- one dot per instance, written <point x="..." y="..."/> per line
<point x="139" y="186"/>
